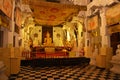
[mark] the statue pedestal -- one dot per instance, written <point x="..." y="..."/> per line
<point x="116" y="61"/>
<point x="116" y="66"/>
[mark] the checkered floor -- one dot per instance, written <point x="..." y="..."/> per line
<point x="65" y="73"/>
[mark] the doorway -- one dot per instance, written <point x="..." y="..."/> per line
<point x="115" y="40"/>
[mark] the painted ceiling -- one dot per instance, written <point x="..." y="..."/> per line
<point x="52" y="14"/>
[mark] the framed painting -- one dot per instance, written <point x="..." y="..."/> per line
<point x="93" y="22"/>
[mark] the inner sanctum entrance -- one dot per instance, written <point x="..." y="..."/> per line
<point x="115" y="40"/>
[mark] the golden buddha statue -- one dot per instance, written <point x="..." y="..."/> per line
<point x="48" y="40"/>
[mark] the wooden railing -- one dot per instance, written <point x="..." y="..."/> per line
<point x="26" y="55"/>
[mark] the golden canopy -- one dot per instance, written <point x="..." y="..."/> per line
<point x="48" y="13"/>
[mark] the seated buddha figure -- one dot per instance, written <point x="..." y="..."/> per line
<point x="35" y="42"/>
<point x="47" y="39"/>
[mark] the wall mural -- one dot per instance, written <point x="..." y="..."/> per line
<point x="7" y="7"/>
<point x="113" y="15"/>
<point x="58" y="36"/>
<point x="113" y="19"/>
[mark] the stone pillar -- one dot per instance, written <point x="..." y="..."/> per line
<point x="105" y="51"/>
<point x="103" y="29"/>
<point x="10" y="34"/>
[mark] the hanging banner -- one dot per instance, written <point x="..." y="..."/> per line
<point x="7" y="7"/>
<point x="113" y="15"/>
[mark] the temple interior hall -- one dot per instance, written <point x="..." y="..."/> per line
<point x="59" y="39"/>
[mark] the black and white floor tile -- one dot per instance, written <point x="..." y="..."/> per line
<point x="65" y="73"/>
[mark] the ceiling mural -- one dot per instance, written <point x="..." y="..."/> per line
<point x="52" y="14"/>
